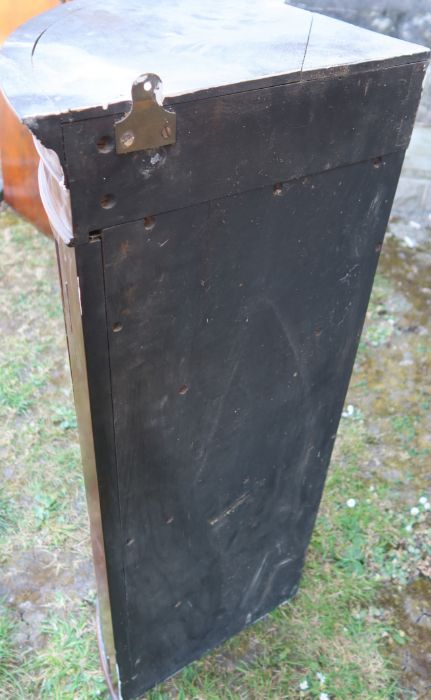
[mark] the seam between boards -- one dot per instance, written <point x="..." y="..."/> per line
<point x="127" y="631"/>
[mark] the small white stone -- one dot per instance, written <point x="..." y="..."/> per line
<point x="351" y="503"/>
<point x="409" y="242"/>
<point x="349" y="411"/>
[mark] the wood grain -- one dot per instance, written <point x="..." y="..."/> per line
<point x="19" y="159"/>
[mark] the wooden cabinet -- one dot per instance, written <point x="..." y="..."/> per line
<point x="217" y="253"/>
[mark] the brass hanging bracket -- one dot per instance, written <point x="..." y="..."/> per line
<point x="147" y="125"/>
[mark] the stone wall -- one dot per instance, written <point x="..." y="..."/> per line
<point x="405" y="19"/>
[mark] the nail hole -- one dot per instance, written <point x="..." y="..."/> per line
<point x="318" y="332"/>
<point x="148" y="85"/>
<point x="108" y="201"/>
<point x="378" y="162"/>
<point x="149" y="222"/>
<point x="95" y="235"/>
<point x="117" y="327"/>
<point x="378" y="247"/>
<point x="183" y="389"/>
<point x="277" y="189"/>
<point x="129" y="542"/>
<point x="105" y="144"/>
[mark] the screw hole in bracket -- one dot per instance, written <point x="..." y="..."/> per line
<point x="127" y="139"/>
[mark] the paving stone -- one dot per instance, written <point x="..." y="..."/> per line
<point x="405" y="19"/>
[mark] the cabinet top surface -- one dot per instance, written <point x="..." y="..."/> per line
<point x="87" y="53"/>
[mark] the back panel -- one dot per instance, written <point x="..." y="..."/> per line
<point x="233" y="327"/>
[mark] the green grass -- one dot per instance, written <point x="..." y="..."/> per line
<point x="66" y="668"/>
<point x="337" y="626"/>
<point x="71" y="657"/>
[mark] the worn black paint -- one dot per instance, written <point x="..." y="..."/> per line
<point x="239" y="142"/>
<point x="92" y="293"/>
<point x="221" y="301"/>
<point x="239" y="321"/>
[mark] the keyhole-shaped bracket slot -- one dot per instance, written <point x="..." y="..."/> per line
<point x="147" y="125"/>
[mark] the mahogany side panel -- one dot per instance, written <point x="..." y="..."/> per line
<point x="19" y="158"/>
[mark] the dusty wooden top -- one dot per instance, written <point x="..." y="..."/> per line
<point x="86" y="54"/>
